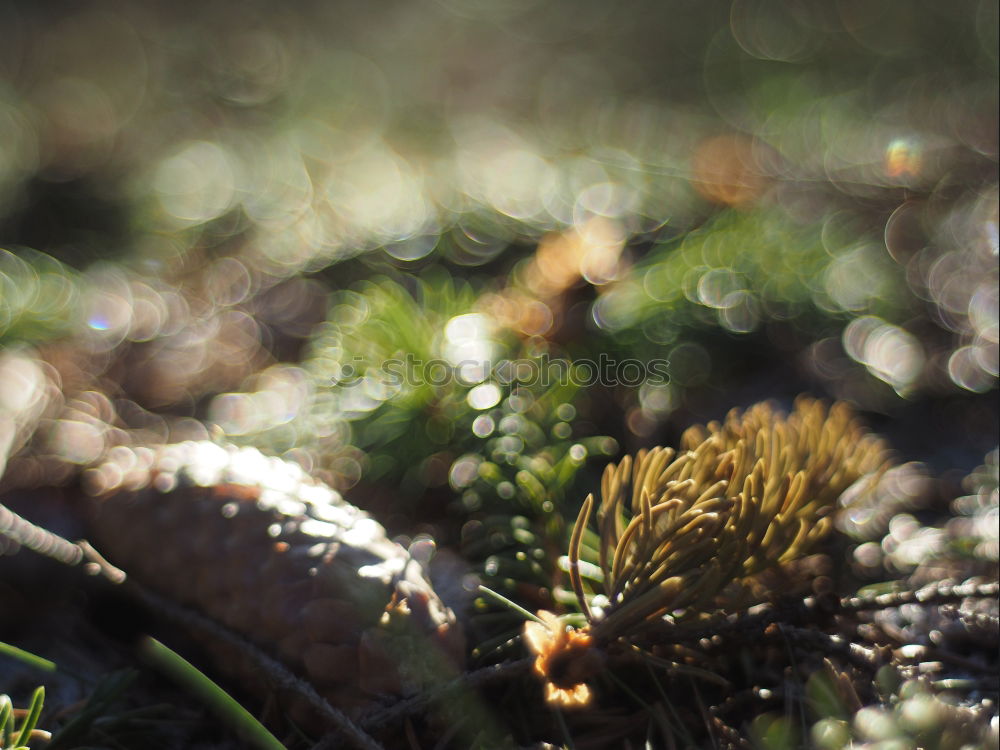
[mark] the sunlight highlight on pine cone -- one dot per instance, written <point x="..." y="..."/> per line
<point x="280" y="558"/>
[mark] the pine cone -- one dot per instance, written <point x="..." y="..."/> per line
<point x="280" y="558"/>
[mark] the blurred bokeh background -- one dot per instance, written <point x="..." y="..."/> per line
<point x="770" y="197"/>
<point x="222" y="219"/>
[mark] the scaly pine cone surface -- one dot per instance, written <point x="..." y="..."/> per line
<point x="260" y="547"/>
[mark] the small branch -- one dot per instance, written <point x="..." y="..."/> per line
<point x="814" y="610"/>
<point x="859" y="656"/>
<point x="919" y="654"/>
<point x="421" y="701"/>
<point x="37" y="539"/>
<point x="730" y="736"/>
<point x="99" y="565"/>
<point x="275" y="671"/>
<point x="809" y="611"/>
<point x="944" y="592"/>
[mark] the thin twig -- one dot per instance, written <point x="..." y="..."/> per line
<point x="275" y="671"/>
<point x="730" y="735"/>
<point x="419" y="702"/>
<point x="37" y="539"/>
<point x="943" y="592"/>
<point x="808" y="611"/>
<point x="860" y="656"/>
<point x="918" y="654"/>
<point x="99" y="565"/>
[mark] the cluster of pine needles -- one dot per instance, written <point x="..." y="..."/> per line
<point x="700" y="569"/>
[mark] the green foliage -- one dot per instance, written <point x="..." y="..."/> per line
<point x="27" y="657"/>
<point x="369" y="363"/>
<point x="18" y="737"/>
<point x="739" y="498"/>
<point x="745" y="268"/>
<point x="39" y="296"/>
<point x="409" y="379"/>
<point x="774" y="732"/>
<point x="914" y="716"/>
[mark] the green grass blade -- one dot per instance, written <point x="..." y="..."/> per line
<point x="216" y="699"/>
<point x="508" y="603"/>
<point x="27" y="657"/>
<point x="31" y="720"/>
<point x="6" y="712"/>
